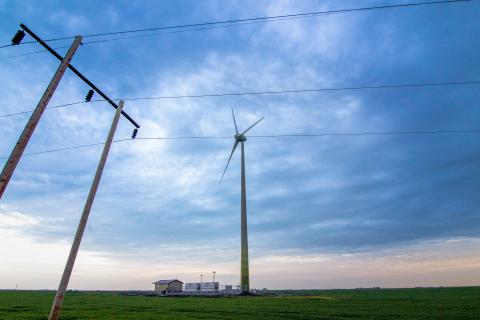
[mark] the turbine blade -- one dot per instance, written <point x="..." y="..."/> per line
<point x="230" y="158"/>
<point x="234" y="122"/>
<point x="252" y="126"/>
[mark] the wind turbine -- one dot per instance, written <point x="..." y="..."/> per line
<point x="244" y="270"/>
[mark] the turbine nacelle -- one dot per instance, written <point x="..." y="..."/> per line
<point x="240" y="137"/>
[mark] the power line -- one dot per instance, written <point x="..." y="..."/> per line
<point x="241" y="22"/>
<point x="305" y="135"/>
<point x="277" y="17"/>
<point x="171" y="32"/>
<point x="299" y="135"/>
<point x="189" y="29"/>
<point x="253" y="93"/>
<point x="68" y="148"/>
<point x="52" y="107"/>
<point x="305" y="90"/>
<point x="234" y="22"/>
<point x="31" y="53"/>
<point x="186" y="138"/>
<point x="132" y="37"/>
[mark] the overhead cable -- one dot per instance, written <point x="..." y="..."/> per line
<point x="299" y="135"/>
<point x="253" y="93"/>
<point x="233" y="22"/>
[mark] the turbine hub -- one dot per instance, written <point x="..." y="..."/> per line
<point x="240" y="137"/>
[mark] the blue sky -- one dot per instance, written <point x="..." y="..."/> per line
<point x="325" y="212"/>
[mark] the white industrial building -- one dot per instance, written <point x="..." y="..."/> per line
<point x="202" y="287"/>
<point x="177" y="287"/>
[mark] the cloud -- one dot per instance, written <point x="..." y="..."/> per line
<point x="15" y="219"/>
<point x="336" y="199"/>
<point x="446" y="262"/>
<point x="431" y="263"/>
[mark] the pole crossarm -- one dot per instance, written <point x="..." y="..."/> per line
<point x="80" y="75"/>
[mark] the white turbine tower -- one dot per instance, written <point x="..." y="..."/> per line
<point x="244" y="270"/>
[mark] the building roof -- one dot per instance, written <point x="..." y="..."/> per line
<point x="166" y="281"/>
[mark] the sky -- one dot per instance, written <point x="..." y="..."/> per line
<point x="323" y="212"/>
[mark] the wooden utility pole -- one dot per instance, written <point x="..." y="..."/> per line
<point x="57" y="303"/>
<point x="22" y="142"/>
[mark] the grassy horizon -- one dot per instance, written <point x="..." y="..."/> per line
<point x="406" y="303"/>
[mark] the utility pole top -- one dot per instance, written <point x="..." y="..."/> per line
<point x="80" y="75"/>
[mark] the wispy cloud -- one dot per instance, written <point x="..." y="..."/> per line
<point x="335" y="206"/>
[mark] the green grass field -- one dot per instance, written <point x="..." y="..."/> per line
<point x="436" y="303"/>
